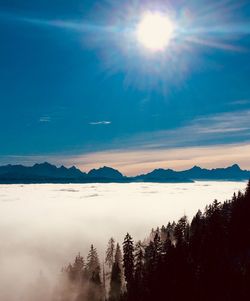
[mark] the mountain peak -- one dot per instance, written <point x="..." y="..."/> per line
<point x="62" y="167"/>
<point x="234" y="167"/>
<point x="196" y="168"/>
<point x="105" y="172"/>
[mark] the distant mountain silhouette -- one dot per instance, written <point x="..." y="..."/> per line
<point x="105" y="173"/>
<point x="48" y="173"/>
<point x="38" y="173"/>
<point x="163" y="176"/>
<point x="233" y="172"/>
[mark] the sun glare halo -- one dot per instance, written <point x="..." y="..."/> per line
<point x="155" y="31"/>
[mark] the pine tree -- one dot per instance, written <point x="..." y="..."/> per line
<point x="94" y="291"/>
<point x="109" y="260"/>
<point x="104" y="289"/>
<point x="116" y="276"/>
<point x="163" y="233"/>
<point x="139" y="266"/>
<point x="181" y="231"/>
<point x="128" y="261"/>
<point x="153" y="253"/>
<point x="118" y="255"/>
<point x="78" y="267"/>
<point x="93" y="266"/>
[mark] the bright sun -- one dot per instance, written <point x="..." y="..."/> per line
<point x="155" y="31"/>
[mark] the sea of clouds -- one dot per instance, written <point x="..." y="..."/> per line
<point x="42" y="227"/>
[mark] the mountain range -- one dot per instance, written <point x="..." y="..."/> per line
<point x="48" y="173"/>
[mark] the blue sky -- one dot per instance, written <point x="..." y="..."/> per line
<point x="75" y="86"/>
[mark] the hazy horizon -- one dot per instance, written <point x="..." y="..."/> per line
<point x="137" y="162"/>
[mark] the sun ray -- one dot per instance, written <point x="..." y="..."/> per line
<point x="215" y="44"/>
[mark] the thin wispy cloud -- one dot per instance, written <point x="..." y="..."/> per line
<point x="104" y="122"/>
<point x="229" y="122"/>
<point x="222" y="128"/>
<point x="45" y="119"/>
<point x="240" y="102"/>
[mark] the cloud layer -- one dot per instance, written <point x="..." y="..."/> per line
<point x="43" y="227"/>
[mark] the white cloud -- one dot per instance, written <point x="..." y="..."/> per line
<point x="100" y="122"/>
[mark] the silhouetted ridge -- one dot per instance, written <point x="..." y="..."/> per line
<point x="48" y="173"/>
<point x="44" y="172"/>
<point x="163" y="175"/>
<point x="234" y="167"/>
<point x="105" y="172"/>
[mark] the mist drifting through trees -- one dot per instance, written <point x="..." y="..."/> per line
<point x="168" y="257"/>
<point x="206" y="259"/>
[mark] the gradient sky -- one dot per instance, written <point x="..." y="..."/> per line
<point x="76" y="88"/>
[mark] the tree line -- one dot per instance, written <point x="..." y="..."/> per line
<point x="205" y="259"/>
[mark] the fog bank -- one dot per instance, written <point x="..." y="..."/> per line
<point x="42" y="227"/>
